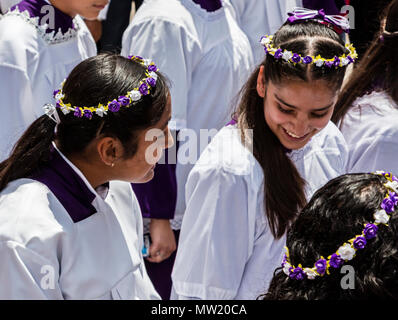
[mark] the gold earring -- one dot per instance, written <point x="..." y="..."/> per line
<point x="113" y="164"/>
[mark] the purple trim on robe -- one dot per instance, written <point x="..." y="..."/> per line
<point x="61" y="20"/>
<point x="67" y="186"/>
<point x="209" y="5"/>
<point x="328" y="5"/>
<point x="158" y="197"/>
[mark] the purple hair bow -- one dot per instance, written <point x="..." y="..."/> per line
<point x="303" y="14"/>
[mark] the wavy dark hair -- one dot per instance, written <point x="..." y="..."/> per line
<point x="96" y="80"/>
<point x="336" y="213"/>
<point x="377" y="70"/>
<point x="283" y="185"/>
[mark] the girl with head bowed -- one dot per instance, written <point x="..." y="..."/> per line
<point x="70" y="225"/>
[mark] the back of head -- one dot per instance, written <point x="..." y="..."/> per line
<point x="284" y="187"/>
<point x="336" y="213"/>
<point x="378" y="68"/>
<point x="96" y="81"/>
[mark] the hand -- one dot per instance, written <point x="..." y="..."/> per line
<point x="163" y="240"/>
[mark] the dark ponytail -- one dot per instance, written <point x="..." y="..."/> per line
<point x="378" y="68"/>
<point x="284" y="192"/>
<point x="30" y="151"/>
<point x="96" y="80"/>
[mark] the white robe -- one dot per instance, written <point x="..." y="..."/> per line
<point x="372" y="134"/>
<point x="206" y="56"/>
<point x="261" y="17"/>
<point x="32" y="67"/>
<point x="226" y="249"/>
<point x="45" y="255"/>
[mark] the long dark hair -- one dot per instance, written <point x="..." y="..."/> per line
<point x="336" y="213"/>
<point x="283" y="186"/>
<point x="96" y="80"/>
<point x="377" y="70"/>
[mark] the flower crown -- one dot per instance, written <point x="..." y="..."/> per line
<point x="131" y="97"/>
<point x="294" y="58"/>
<point x="347" y="251"/>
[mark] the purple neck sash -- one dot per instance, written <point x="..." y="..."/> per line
<point x="67" y="186"/>
<point x="209" y="5"/>
<point x="61" y="20"/>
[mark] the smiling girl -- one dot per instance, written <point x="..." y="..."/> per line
<point x="68" y="230"/>
<point x="241" y="201"/>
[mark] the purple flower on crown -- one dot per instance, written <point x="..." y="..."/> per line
<point x="114" y="106"/>
<point x="124" y="101"/>
<point x="88" y="114"/>
<point x="297" y="274"/>
<point x="278" y="54"/>
<point x="388" y="205"/>
<point x="394" y="178"/>
<point x="78" y="112"/>
<point x="320" y="266"/>
<point x="336" y="61"/>
<point x="57" y="105"/>
<point x="307" y="59"/>
<point x="329" y="64"/>
<point x="296" y="58"/>
<point x="152" y="68"/>
<point x="335" y="261"/>
<point x="143" y="89"/>
<point x="56" y="92"/>
<point x="370" y="231"/>
<point x="350" y="59"/>
<point x="393" y="197"/>
<point x="359" y="242"/>
<point x="284" y="260"/>
<point x="151" y="82"/>
<point x="265" y="50"/>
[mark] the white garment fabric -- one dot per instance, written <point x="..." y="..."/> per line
<point x="7" y="4"/>
<point x="261" y="17"/>
<point x="207" y="58"/>
<point x="226" y="249"/>
<point x="45" y="255"/>
<point x="371" y="131"/>
<point x="32" y="65"/>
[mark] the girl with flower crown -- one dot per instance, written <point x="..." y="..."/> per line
<point x="41" y="41"/>
<point x="351" y="222"/>
<point x="255" y="175"/>
<point x="367" y="109"/>
<point x="68" y="229"/>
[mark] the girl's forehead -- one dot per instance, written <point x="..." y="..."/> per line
<point x="301" y="94"/>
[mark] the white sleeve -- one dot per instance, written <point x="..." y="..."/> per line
<point x="174" y="51"/>
<point x="378" y="153"/>
<point x="17" y="107"/>
<point x="214" y="241"/>
<point x="26" y="275"/>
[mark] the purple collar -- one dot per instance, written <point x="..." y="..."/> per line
<point x="61" y="20"/>
<point x="209" y="5"/>
<point x="67" y="186"/>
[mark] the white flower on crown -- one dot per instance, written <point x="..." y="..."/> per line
<point x="135" y="95"/>
<point x="147" y="62"/>
<point x="49" y="109"/>
<point x="381" y="217"/>
<point x="345" y="61"/>
<point x="311" y="274"/>
<point x="59" y="96"/>
<point x="346" y="252"/>
<point x="392" y="185"/>
<point x="286" y="268"/>
<point x="65" y="110"/>
<point x="153" y="75"/>
<point x="319" y="63"/>
<point x="265" y="41"/>
<point x="287" y="55"/>
<point x="100" y="111"/>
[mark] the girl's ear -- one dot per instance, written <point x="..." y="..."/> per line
<point x="261" y="83"/>
<point x="109" y="150"/>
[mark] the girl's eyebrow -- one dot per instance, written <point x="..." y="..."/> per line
<point x="294" y="107"/>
